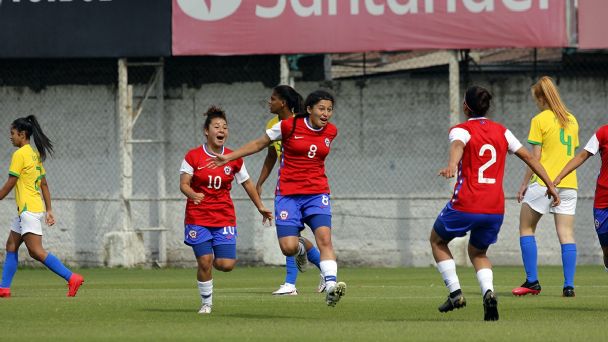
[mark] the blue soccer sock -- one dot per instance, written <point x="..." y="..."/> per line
<point x="529" y="255"/>
<point x="292" y="270"/>
<point x="569" y="263"/>
<point x="56" y="266"/>
<point x="10" y="268"/>
<point x="314" y="256"/>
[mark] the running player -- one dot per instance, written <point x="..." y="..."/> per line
<point x="554" y="136"/>
<point x="28" y="177"/>
<point x="477" y="157"/>
<point x="597" y="143"/>
<point x="210" y="222"/>
<point x="285" y="102"/>
<point x="302" y="194"/>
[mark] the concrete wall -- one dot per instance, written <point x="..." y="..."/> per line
<point x="386" y="195"/>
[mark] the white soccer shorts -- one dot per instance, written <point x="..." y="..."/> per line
<point x="536" y="198"/>
<point x="28" y="222"/>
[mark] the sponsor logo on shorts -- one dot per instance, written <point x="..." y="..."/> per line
<point x="327" y="142"/>
<point x="227" y="170"/>
<point x="284" y="214"/>
<point x="192" y="234"/>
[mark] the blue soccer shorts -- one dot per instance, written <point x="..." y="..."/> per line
<point x="600" y="218"/>
<point x="484" y="228"/>
<point x="292" y="212"/>
<point x="220" y="241"/>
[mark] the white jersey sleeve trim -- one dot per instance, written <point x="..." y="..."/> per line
<point x="242" y="175"/>
<point x="514" y="144"/>
<point x="593" y="145"/>
<point x="459" y="134"/>
<point x="186" y="168"/>
<point x="274" y="132"/>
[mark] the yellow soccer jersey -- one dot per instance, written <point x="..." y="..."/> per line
<point x="277" y="144"/>
<point x="558" y="145"/>
<point x="26" y="166"/>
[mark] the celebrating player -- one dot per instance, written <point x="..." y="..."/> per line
<point x="28" y="177"/>
<point x="478" y="151"/>
<point x="285" y="102"/>
<point x="554" y="136"/>
<point x="302" y="194"/>
<point x="597" y="143"/>
<point x="210" y="222"/>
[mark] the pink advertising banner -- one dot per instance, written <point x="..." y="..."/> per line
<point x="592" y="24"/>
<point x="236" y="27"/>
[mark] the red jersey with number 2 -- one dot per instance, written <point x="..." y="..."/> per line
<point x="216" y="209"/>
<point x="302" y="170"/>
<point x="478" y="187"/>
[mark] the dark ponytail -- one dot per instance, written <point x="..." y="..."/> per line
<point x="478" y="100"/>
<point x="311" y="100"/>
<point x="292" y="98"/>
<point x="30" y="126"/>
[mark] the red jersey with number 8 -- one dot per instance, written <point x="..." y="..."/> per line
<point x="478" y="187"/>
<point x="302" y="170"/>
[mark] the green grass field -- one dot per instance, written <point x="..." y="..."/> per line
<point x="380" y="304"/>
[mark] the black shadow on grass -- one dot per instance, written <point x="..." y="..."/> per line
<point x="265" y="316"/>
<point x="573" y="309"/>
<point x="165" y="310"/>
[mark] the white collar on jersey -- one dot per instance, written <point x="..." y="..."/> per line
<point x="480" y="118"/>
<point x="310" y="126"/>
<point x="209" y="154"/>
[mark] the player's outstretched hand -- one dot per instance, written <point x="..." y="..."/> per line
<point x="198" y="198"/>
<point x="266" y="216"/>
<point x="552" y="193"/>
<point x="522" y="192"/>
<point x="49" y="218"/>
<point x="448" y="172"/>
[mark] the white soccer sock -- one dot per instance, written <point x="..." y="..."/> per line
<point x="447" y="268"/>
<point x="485" y="277"/>
<point x="329" y="269"/>
<point x="205" y="288"/>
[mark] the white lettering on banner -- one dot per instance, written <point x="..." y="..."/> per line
<point x="213" y="10"/>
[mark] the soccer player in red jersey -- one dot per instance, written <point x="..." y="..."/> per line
<point x="302" y="193"/>
<point x="285" y="102"/>
<point x="478" y="150"/>
<point x="597" y="143"/>
<point x="210" y="222"/>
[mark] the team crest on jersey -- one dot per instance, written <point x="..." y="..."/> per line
<point x="327" y="142"/>
<point x="192" y="234"/>
<point x="227" y="170"/>
<point x="597" y="224"/>
<point x="284" y="215"/>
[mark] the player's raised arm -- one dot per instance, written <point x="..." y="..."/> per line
<point x="249" y="148"/>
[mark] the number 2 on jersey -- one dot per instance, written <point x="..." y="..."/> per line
<point x="482" y="152"/>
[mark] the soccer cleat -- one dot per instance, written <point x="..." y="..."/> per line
<point x="74" y="284"/>
<point x="335" y="293"/>
<point x="286" y="290"/>
<point x="455" y="302"/>
<point x="490" y="306"/>
<point x="205" y="309"/>
<point x="568" y="291"/>
<point x="527" y="288"/>
<point x="301" y="259"/>
<point x="321" y="287"/>
<point x="5" y="292"/>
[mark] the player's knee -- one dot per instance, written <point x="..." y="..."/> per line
<point x="224" y="266"/>
<point x="37" y="254"/>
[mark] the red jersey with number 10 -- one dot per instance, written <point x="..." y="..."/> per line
<point x="302" y="170"/>
<point x="478" y="187"/>
<point x="216" y="209"/>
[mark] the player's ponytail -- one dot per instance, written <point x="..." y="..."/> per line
<point x="477" y="100"/>
<point x="292" y="98"/>
<point x="30" y="126"/>
<point x="546" y="94"/>
<point x="311" y="100"/>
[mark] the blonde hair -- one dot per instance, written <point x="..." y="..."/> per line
<point x="545" y="92"/>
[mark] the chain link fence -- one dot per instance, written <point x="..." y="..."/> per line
<point x="392" y="112"/>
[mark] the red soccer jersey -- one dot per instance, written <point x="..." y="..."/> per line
<point x="478" y="187"/>
<point x="599" y="142"/>
<point x="216" y="209"/>
<point x="302" y="170"/>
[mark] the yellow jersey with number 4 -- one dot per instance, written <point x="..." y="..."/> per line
<point x="558" y="145"/>
<point x="27" y="167"/>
